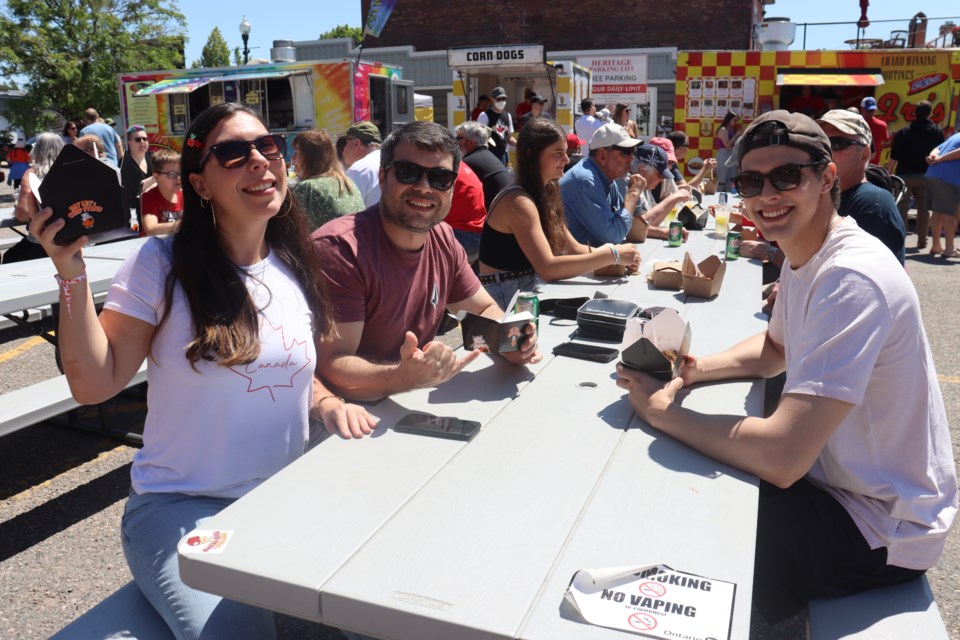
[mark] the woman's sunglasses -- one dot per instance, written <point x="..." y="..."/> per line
<point x="233" y="154"/>
<point x="410" y="173"/>
<point x="783" y="178"/>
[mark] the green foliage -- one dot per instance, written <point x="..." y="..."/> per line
<point x="237" y="57"/>
<point x="70" y="52"/>
<point x="344" y="31"/>
<point x="215" y="53"/>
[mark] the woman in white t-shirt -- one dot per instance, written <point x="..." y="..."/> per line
<point x="228" y="310"/>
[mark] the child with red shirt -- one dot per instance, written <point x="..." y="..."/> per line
<point x="162" y="206"/>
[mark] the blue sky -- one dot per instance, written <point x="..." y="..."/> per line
<point x="277" y="20"/>
<point x="302" y="20"/>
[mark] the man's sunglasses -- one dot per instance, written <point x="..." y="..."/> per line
<point x="838" y="143"/>
<point x="623" y="151"/>
<point x="783" y="178"/>
<point x="233" y="154"/>
<point x="410" y="173"/>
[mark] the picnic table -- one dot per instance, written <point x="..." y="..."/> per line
<point x="403" y="536"/>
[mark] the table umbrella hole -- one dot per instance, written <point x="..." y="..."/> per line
<point x="587" y="385"/>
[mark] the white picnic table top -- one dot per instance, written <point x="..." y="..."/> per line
<point x="30" y="284"/>
<point x="401" y="536"/>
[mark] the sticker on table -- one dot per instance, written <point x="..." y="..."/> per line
<point x="655" y="601"/>
<point x="203" y="541"/>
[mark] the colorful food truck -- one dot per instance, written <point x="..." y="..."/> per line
<point x="477" y="70"/>
<point x="711" y="83"/>
<point x="289" y="96"/>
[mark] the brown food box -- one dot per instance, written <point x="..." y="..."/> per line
<point x="656" y="346"/>
<point x="746" y="233"/>
<point x="703" y="280"/>
<point x="668" y="275"/>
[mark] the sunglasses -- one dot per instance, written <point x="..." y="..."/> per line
<point x="234" y="154"/>
<point x="411" y="172"/>
<point x="783" y="178"/>
<point x="624" y="152"/>
<point x="141" y="140"/>
<point x="839" y="144"/>
<point x="173" y="175"/>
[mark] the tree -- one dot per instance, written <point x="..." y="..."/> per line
<point x="70" y="52"/>
<point x="344" y="31"/>
<point x="215" y="53"/>
<point x="237" y="57"/>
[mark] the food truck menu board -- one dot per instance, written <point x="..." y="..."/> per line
<point x="714" y="97"/>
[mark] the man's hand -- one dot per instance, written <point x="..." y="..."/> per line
<point x="433" y="365"/>
<point x="755" y="249"/>
<point x="528" y="353"/>
<point x="636" y="183"/>
<point x="649" y="397"/>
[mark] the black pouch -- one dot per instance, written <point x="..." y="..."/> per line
<point x="565" y="308"/>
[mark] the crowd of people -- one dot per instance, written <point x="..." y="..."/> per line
<point x="382" y="237"/>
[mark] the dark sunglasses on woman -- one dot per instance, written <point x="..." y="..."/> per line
<point x="410" y="173"/>
<point x="233" y="154"/>
<point x="784" y="178"/>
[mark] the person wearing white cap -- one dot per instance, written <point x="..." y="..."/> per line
<point x="873" y="208"/>
<point x="597" y="211"/>
<point x="878" y="128"/>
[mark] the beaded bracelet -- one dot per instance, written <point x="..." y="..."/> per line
<point x="616" y="254"/>
<point x="65" y="287"/>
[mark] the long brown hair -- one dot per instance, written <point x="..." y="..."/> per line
<point x="225" y="318"/>
<point x="618" y="112"/>
<point x="535" y="136"/>
<point x="318" y="157"/>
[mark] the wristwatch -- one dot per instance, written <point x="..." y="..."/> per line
<point x="772" y="254"/>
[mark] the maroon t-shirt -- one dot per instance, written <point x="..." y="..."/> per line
<point x="391" y="291"/>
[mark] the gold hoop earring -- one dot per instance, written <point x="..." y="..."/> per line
<point x="203" y="202"/>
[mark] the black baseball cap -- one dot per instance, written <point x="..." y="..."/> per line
<point x="783" y="128"/>
<point x="655" y="157"/>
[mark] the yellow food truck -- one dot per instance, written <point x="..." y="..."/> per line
<point x="711" y="83"/>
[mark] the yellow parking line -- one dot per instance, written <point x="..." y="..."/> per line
<point x="953" y="379"/>
<point x="26" y="346"/>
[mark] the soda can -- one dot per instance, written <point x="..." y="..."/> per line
<point x="733" y="245"/>
<point x="528" y="301"/>
<point x="723" y="198"/>
<point x="675" y="238"/>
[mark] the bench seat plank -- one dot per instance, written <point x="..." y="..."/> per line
<point x="905" y="610"/>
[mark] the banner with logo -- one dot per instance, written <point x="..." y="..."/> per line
<point x="378" y="15"/>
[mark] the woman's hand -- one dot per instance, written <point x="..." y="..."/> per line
<point x="347" y="420"/>
<point x="68" y="259"/>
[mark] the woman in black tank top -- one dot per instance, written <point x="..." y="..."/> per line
<point x="525" y="240"/>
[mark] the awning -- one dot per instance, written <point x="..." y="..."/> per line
<point x="259" y="75"/>
<point x="175" y="85"/>
<point x="191" y="84"/>
<point x="862" y="78"/>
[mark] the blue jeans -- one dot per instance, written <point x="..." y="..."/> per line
<point x="470" y="243"/>
<point x="152" y="526"/>
<point x="503" y="291"/>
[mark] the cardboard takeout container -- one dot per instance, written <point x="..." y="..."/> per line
<point x="703" y="280"/>
<point x="646" y="344"/>
<point x="667" y="275"/>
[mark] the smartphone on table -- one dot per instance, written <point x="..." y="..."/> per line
<point x="438" y="426"/>
<point x="585" y="351"/>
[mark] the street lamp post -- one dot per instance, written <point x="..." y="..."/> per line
<point x="245" y="34"/>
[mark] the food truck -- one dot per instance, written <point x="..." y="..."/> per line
<point x="477" y="70"/>
<point x="289" y="96"/>
<point x="710" y="83"/>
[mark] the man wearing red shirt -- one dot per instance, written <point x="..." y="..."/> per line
<point x="467" y="211"/>
<point x="878" y="128"/>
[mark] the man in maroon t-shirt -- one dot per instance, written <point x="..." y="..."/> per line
<point x="393" y="270"/>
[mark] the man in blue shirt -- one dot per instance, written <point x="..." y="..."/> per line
<point x="111" y="141"/>
<point x="596" y="210"/>
<point x="873" y="208"/>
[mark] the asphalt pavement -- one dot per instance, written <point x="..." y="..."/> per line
<point x="62" y="490"/>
